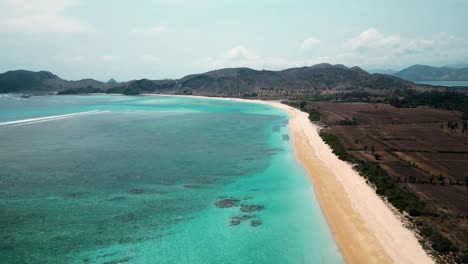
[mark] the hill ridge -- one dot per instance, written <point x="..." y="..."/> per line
<point x="420" y="72"/>
<point x="235" y="82"/>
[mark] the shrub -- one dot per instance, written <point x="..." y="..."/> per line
<point x="336" y="145"/>
<point x="438" y="241"/>
<point x="302" y="104"/>
<point x="347" y="122"/>
<point x="387" y="187"/>
<point x="314" y="115"/>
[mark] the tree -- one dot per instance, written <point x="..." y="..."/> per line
<point x="442" y="179"/>
<point x="377" y="156"/>
<point x="302" y="104"/>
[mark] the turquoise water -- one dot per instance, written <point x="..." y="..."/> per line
<point x="138" y="179"/>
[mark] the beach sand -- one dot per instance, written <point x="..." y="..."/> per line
<point x="366" y="229"/>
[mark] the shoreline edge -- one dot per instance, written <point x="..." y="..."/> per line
<point x="364" y="227"/>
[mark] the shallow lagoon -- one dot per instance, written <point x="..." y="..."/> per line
<point x="137" y="181"/>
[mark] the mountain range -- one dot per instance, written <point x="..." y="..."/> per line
<point x="429" y="73"/>
<point x="416" y="73"/>
<point x="457" y="65"/>
<point x="234" y="82"/>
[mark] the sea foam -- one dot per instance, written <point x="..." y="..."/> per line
<point x="47" y="118"/>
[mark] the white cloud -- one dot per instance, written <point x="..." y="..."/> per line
<point x="153" y="29"/>
<point x="243" y="57"/>
<point x="239" y="53"/>
<point x="309" y="43"/>
<point x="109" y="58"/>
<point x="45" y="16"/>
<point x="416" y="46"/>
<point x="369" y="47"/>
<point x="371" y="39"/>
<point x="444" y="38"/>
<point x="372" y="47"/>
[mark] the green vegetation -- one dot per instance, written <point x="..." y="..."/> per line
<point x="294" y="104"/>
<point x="387" y="187"/>
<point x="249" y="95"/>
<point x="314" y="115"/>
<point x="444" y="100"/>
<point x="335" y="143"/>
<point x="82" y="90"/>
<point x="347" y="122"/>
<point x="302" y="105"/>
<point x="404" y="98"/>
<point x="438" y="242"/>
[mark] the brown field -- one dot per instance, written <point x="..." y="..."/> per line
<point x="404" y="137"/>
<point x="413" y="148"/>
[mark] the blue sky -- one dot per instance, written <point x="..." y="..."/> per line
<point x="157" y="39"/>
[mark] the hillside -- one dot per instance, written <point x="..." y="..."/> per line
<point x="382" y="71"/>
<point x="428" y="73"/>
<point x="237" y="82"/>
<point x="28" y="81"/>
<point x="321" y="77"/>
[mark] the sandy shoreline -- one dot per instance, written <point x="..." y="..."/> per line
<point x="363" y="225"/>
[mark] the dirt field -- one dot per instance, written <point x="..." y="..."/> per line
<point x="417" y="147"/>
<point x="412" y="137"/>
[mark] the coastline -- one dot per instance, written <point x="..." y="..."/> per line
<point x="364" y="227"/>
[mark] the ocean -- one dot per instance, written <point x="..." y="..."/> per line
<point x="154" y="179"/>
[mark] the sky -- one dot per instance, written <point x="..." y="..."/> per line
<point x="158" y="39"/>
